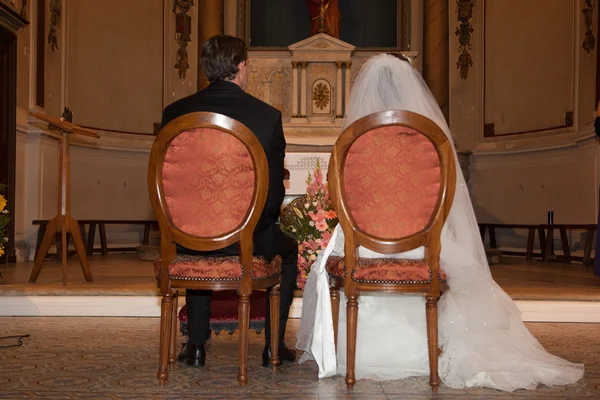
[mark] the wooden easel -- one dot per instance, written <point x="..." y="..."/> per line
<point x="63" y="223"/>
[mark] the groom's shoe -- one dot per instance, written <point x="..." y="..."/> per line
<point x="285" y="354"/>
<point x="193" y="355"/>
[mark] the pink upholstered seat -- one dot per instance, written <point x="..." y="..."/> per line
<point x="384" y="270"/>
<point x="217" y="269"/>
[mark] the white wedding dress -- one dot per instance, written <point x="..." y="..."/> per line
<point x="483" y="339"/>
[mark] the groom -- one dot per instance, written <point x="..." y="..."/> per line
<point x="225" y="63"/>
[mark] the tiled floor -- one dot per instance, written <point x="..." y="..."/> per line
<point x="116" y="358"/>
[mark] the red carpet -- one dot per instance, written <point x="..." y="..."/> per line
<point x="224" y="312"/>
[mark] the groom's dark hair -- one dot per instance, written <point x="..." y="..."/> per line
<point x="221" y="55"/>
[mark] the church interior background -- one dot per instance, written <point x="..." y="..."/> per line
<point x="517" y="81"/>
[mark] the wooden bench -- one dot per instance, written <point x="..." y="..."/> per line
<point x="529" y="254"/>
<point x="546" y="239"/>
<point x="91" y="234"/>
<point x="567" y="257"/>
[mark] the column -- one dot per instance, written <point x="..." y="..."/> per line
<point x="303" y="88"/>
<point x="347" y="85"/>
<point x="210" y="23"/>
<point x="435" y="51"/>
<point x="267" y="92"/>
<point x="338" y="88"/>
<point x="294" y="89"/>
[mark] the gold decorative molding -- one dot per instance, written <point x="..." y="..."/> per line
<point x="23" y="11"/>
<point x="321" y="96"/>
<point x="183" y="32"/>
<point x="464" y="9"/>
<point x="55" y="15"/>
<point x="589" y="42"/>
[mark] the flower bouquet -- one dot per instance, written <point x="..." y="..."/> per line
<point x="310" y="220"/>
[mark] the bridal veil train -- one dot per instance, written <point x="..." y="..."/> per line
<point x="483" y="339"/>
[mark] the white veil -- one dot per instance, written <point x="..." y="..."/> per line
<point x="484" y="341"/>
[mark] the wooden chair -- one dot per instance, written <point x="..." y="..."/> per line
<point x="208" y="183"/>
<point x="392" y="179"/>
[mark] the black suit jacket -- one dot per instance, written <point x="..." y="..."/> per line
<point x="264" y="121"/>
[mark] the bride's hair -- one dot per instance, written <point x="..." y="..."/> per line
<point x="399" y="56"/>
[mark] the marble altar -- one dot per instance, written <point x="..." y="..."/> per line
<point x="309" y="83"/>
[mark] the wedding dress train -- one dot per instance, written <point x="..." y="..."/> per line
<point x="483" y="339"/>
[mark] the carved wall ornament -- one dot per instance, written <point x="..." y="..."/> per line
<point x="183" y="32"/>
<point x="55" y="15"/>
<point x="23" y="11"/>
<point x="281" y="81"/>
<point x="464" y="9"/>
<point x="321" y="95"/>
<point x="588" y="12"/>
<point x="256" y="84"/>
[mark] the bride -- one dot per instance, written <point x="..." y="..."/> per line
<point x="483" y="339"/>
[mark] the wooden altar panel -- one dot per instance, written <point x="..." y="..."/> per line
<point x="529" y="69"/>
<point x="115" y="64"/>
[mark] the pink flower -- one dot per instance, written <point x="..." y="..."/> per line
<point x="322" y="226"/>
<point x="325" y="238"/>
<point x="319" y="216"/>
<point x="311" y="244"/>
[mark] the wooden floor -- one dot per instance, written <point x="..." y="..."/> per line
<point x="124" y="274"/>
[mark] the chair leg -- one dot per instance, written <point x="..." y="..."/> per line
<point x="165" y="333"/>
<point x="244" y="326"/>
<point x="275" y="300"/>
<point x="432" y="341"/>
<point x="172" y="356"/>
<point x="352" y="315"/>
<point x="335" y="311"/>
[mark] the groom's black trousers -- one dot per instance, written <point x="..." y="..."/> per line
<point x="270" y="243"/>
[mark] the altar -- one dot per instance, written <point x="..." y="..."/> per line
<point x="310" y="84"/>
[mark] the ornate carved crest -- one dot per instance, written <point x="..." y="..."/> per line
<point x="321" y="96"/>
<point x="588" y="12"/>
<point x="183" y="32"/>
<point x="464" y="9"/>
<point x="55" y="14"/>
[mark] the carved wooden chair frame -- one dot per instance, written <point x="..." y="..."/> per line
<point x="243" y="233"/>
<point x="429" y="236"/>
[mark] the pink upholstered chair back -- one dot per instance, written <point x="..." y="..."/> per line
<point x="208" y="181"/>
<point x="392" y="169"/>
<point x="209" y="170"/>
<point x="392" y="181"/>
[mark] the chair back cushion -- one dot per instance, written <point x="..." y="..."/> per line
<point x="391" y="181"/>
<point x="208" y="182"/>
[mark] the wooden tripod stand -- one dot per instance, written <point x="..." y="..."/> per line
<point x="63" y="223"/>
